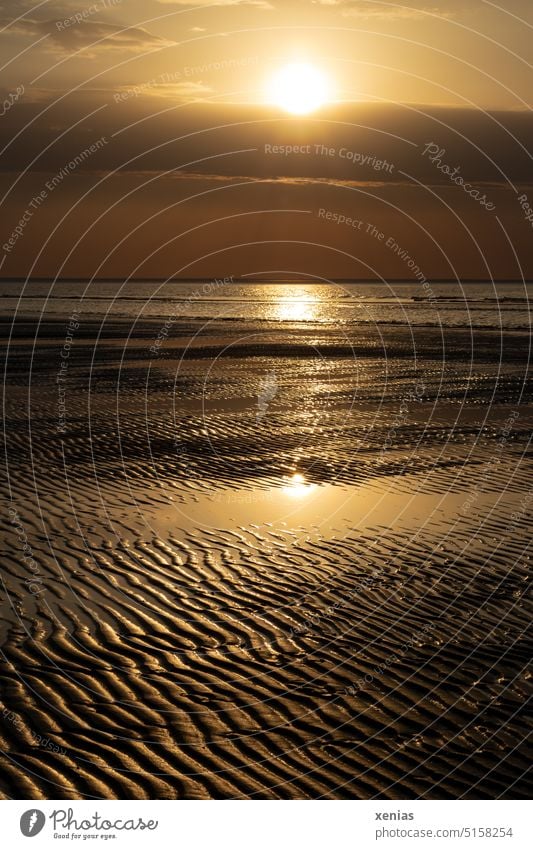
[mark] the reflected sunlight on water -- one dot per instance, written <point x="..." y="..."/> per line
<point x="297" y="486"/>
<point x="298" y="304"/>
<point x="337" y="303"/>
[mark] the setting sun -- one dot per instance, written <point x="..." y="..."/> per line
<point x="298" y="88"/>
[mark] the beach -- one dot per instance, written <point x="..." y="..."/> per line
<point x="258" y="559"/>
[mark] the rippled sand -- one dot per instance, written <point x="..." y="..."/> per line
<point x="266" y="563"/>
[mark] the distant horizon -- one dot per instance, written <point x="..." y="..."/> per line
<point x="240" y="280"/>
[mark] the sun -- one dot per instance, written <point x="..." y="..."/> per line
<point x="298" y="88"/>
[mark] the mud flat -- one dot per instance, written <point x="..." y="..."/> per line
<point x="264" y="562"/>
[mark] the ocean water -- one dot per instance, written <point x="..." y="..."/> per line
<point x="504" y="305"/>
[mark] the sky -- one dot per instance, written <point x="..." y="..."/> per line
<point x="147" y="139"/>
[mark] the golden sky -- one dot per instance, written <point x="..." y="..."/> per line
<point x="201" y="171"/>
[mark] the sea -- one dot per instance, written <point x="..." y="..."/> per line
<point x="502" y="305"/>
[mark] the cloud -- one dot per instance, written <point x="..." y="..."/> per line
<point x="416" y="9"/>
<point x="88" y="35"/>
<point x="187" y="90"/>
<point x="101" y="36"/>
<point x="363" y="144"/>
<point x="388" y="9"/>
<point x="260" y="4"/>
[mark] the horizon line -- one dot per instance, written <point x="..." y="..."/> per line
<point x="239" y="280"/>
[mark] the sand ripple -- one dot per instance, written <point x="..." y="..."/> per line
<point x="196" y="631"/>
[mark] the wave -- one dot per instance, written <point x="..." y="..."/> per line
<point x="327" y="302"/>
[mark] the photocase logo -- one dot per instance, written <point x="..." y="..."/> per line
<point x="32" y="822"/>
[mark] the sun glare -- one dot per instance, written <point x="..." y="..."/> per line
<point x="297" y="309"/>
<point x="297" y="486"/>
<point x="297" y="303"/>
<point x="298" y="88"/>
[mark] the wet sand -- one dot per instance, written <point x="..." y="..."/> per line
<point x="265" y="561"/>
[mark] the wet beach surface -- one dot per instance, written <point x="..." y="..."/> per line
<point x="266" y="562"/>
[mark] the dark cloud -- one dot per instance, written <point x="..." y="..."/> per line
<point x="71" y="29"/>
<point x="355" y="144"/>
<point x="103" y="36"/>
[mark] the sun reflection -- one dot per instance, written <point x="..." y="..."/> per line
<point x="297" y="306"/>
<point x="297" y="486"/>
